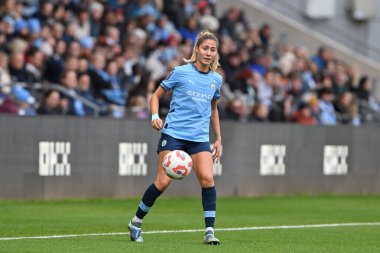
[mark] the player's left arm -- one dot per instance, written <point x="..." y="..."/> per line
<point x="215" y="124"/>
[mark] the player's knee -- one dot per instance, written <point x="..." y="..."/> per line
<point x="206" y="181"/>
<point x="162" y="184"/>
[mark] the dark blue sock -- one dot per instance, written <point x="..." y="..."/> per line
<point x="209" y="205"/>
<point x="150" y="195"/>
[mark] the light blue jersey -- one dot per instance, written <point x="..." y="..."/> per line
<point x="190" y="108"/>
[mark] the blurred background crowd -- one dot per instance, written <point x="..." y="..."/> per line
<point x="105" y="59"/>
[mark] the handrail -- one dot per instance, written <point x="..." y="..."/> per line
<point x="53" y="86"/>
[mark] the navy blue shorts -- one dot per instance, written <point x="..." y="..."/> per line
<point x="167" y="142"/>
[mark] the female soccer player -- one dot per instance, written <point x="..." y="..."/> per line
<point x="196" y="90"/>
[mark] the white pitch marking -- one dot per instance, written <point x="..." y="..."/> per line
<point x="198" y="230"/>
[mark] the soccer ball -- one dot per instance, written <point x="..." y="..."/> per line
<point x="177" y="164"/>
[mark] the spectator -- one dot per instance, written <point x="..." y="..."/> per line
<point x="69" y="34"/>
<point x="368" y="106"/>
<point x="84" y="82"/>
<point x="17" y="68"/>
<point x="74" y="47"/>
<point x="233" y="23"/>
<point x="240" y="81"/>
<point x="71" y="63"/>
<point x="327" y="113"/>
<point x="84" y="48"/>
<point x="82" y="22"/>
<point x="304" y="115"/>
<point x="84" y="90"/>
<point x="20" y="102"/>
<point x="115" y="94"/>
<point x="260" y="113"/>
<point x="232" y="68"/>
<point x="161" y="30"/>
<point x="281" y="111"/>
<point x="34" y="67"/>
<point x="145" y="88"/>
<point x="364" y="89"/>
<point x="51" y="104"/>
<point x="295" y="88"/>
<point x="252" y="40"/>
<point x="236" y="110"/>
<point x="190" y="30"/>
<point x="75" y="106"/>
<point x="21" y="29"/>
<point x="261" y="62"/>
<point x="138" y="107"/>
<point x="5" y="78"/>
<point x="99" y="78"/>
<point x="323" y="57"/>
<point x="45" y="13"/>
<point x="96" y="13"/>
<point x="353" y="76"/>
<point x="82" y="66"/>
<point x="207" y="20"/>
<point x="59" y="15"/>
<point x="326" y="81"/>
<point x="265" y="92"/>
<point x="265" y="34"/>
<point x="55" y="63"/>
<point x="340" y="83"/>
<point x="178" y="11"/>
<point x="347" y="109"/>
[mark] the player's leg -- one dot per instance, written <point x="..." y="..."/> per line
<point x="151" y="194"/>
<point x="202" y="162"/>
<point x="162" y="181"/>
<point x="154" y="190"/>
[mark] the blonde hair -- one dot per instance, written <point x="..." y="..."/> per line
<point x="201" y="37"/>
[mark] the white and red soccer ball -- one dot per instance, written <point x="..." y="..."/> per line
<point x="177" y="164"/>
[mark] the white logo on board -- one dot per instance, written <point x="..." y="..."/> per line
<point x="335" y="160"/>
<point x="272" y="160"/>
<point x="54" y="159"/>
<point x="132" y="159"/>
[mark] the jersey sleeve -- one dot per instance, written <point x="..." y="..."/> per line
<point x="218" y="87"/>
<point x="171" y="80"/>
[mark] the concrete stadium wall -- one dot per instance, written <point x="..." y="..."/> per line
<point x="64" y="157"/>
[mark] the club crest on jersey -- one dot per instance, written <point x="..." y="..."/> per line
<point x="213" y="86"/>
<point x="163" y="143"/>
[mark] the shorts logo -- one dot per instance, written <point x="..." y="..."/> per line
<point x="213" y="86"/>
<point x="163" y="143"/>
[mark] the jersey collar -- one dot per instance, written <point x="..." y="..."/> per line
<point x="195" y="67"/>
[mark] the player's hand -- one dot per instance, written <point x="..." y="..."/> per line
<point x="216" y="151"/>
<point x="157" y="124"/>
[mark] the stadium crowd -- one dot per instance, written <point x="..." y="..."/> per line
<point x="105" y="58"/>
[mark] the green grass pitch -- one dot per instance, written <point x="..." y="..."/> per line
<point x="106" y="216"/>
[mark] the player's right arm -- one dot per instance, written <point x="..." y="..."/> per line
<point x="154" y="106"/>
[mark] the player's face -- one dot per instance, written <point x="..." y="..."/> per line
<point x="207" y="52"/>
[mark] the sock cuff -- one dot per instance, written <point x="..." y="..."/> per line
<point x="154" y="188"/>
<point x="209" y="214"/>
<point x="210" y="229"/>
<point x="144" y="207"/>
<point x="208" y="190"/>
